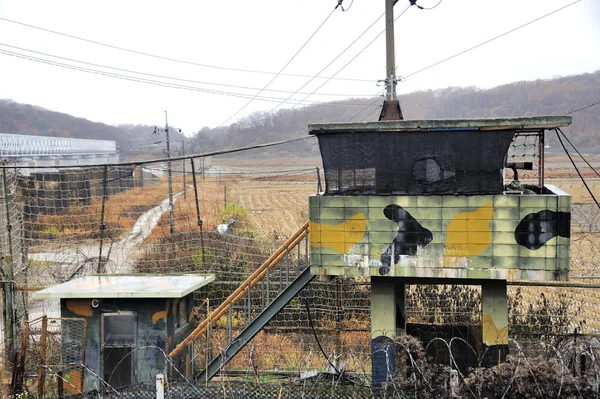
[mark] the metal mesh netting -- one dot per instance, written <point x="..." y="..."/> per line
<point x="258" y="210"/>
<point x="414" y="163"/>
<point x="50" y="356"/>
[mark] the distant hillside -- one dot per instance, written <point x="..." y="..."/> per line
<point x="132" y="140"/>
<point x="541" y="97"/>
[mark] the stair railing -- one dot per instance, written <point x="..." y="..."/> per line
<point x="243" y="290"/>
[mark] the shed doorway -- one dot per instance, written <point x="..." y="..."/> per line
<point x="118" y="344"/>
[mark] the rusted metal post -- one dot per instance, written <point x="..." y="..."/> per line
<point x="198" y="212"/>
<point x="255" y="278"/>
<point x="102" y="211"/>
<point x="170" y="178"/>
<point x="183" y="164"/>
<point x="41" y="368"/>
<point x="319" y="186"/>
<point x="59" y="384"/>
<point x="24" y="342"/>
<point x="338" y="318"/>
<point x="9" y="285"/>
<point x="541" y="160"/>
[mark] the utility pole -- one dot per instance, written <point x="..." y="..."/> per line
<point x="391" y="106"/>
<point x="170" y="177"/>
<point x="389" y="51"/>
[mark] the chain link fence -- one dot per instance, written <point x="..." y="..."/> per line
<point x="70" y="222"/>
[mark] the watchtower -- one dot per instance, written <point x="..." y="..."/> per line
<point x="428" y="202"/>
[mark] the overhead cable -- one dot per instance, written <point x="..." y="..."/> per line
<point x="167" y="77"/>
<point x="160" y="83"/>
<point x="353" y="58"/>
<point x="576" y="168"/>
<point x="582" y="108"/>
<point x="414" y="3"/>
<point x="168" y="58"/>
<point x="578" y="153"/>
<point x="172" y="159"/>
<point x="489" y="40"/>
<point x="282" y="69"/>
<point x="335" y="59"/>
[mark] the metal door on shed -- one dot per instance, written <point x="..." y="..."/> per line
<point x="118" y="345"/>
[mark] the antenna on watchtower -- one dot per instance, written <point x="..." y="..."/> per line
<point x="391" y="106"/>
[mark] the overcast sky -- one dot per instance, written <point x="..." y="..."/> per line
<point x="263" y="35"/>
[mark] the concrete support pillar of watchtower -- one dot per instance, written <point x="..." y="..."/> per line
<point x="388" y="322"/>
<point x="494" y="309"/>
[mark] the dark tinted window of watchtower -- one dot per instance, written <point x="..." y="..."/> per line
<point x="415" y="162"/>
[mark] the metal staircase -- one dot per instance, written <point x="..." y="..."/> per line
<point x="292" y="277"/>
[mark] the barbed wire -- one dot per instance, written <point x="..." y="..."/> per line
<point x="55" y="217"/>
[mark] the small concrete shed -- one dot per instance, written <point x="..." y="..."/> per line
<point x="132" y="322"/>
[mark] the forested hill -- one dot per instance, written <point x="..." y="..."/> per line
<point x="27" y="119"/>
<point x="541" y="97"/>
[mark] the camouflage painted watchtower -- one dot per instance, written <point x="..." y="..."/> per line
<point x="436" y="202"/>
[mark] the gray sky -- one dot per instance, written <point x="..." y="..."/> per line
<point x="263" y="35"/>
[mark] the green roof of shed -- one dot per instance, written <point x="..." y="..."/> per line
<point x="127" y="286"/>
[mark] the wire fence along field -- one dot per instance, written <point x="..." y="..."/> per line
<point x="61" y="223"/>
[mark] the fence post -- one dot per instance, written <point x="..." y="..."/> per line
<point x="183" y="164"/>
<point x="59" y="384"/>
<point x="41" y="368"/>
<point x="24" y="342"/>
<point x="198" y="212"/>
<point x="141" y="177"/>
<point x="9" y="285"/>
<point x="319" y="186"/>
<point x="102" y="224"/>
<point x="160" y="386"/>
<point x="83" y="347"/>
<point x="338" y="318"/>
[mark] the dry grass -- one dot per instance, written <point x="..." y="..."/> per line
<point x="121" y="212"/>
<point x="301" y="162"/>
<point x="292" y="352"/>
<point x="277" y="207"/>
<point x="210" y="201"/>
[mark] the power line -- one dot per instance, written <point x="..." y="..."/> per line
<point x="341" y="5"/>
<point x="578" y="153"/>
<point x="135" y="79"/>
<point x="172" y="159"/>
<point x="8" y="124"/>
<point x="582" y="108"/>
<point x="489" y="40"/>
<point x="369" y="104"/>
<point x="348" y="63"/>
<point x="335" y="59"/>
<point x="356" y="56"/>
<point x="576" y="168"/>
<point x="428" y="8"/>
<point x="168" y="58"/>
<point x="371" y="115"/>
<point x="282" y="69"/>
<point x="168" y="77"/>
<point x="157" y="82"/>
